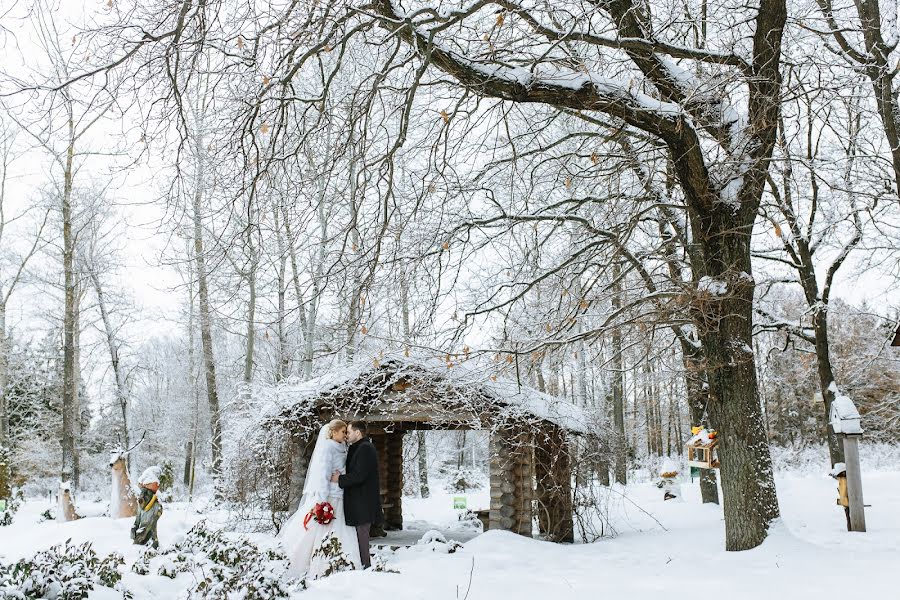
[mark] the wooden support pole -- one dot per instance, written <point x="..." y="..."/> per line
<point x="525" y="485"/>
<point x="854" y="483"/>
<point x="379" y="440"/>
<point x="393" y="507"/>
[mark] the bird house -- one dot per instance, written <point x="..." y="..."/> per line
<point x="701" y="449"/>
<point x="844" y="417"/>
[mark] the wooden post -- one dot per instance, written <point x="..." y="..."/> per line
<point x="525" y="485"/>
<point x="854" y="483"/>
<point x="379" y="440"/>
<point x="502" y="488"/>
<point x="393" y="508"/>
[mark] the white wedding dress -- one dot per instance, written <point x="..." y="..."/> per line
<point x="300" y="543"/>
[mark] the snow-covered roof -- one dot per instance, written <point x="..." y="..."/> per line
<point x="844" y="416"/>
<point x="462" y="382"/>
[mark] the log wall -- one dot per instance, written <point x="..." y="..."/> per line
<point x="512" y="477"/>
<point x="393" y="488"/>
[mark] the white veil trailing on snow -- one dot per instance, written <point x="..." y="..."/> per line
<point x="315" y="488"/>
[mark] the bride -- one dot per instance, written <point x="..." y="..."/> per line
<point x="329" y="455"/>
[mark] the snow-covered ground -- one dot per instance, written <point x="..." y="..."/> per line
<point x="809" y="554"/>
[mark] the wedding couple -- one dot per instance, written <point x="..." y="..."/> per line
<point x="347" y="479"/>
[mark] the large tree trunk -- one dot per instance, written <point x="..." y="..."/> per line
<point x="206" y="338"/>
<point x="697" y="399"/>
<point x="725" y="327"/>
<point x="69" y="392"/>
<point x="190" y="459"/>
<point x="826" y="381"/>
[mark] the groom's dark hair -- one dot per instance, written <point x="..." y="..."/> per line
<point x="360" y="426"/>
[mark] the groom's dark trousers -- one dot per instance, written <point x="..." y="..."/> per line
<point x="362" y="494"/>
<point x="362" y="536"/>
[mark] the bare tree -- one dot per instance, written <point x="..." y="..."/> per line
<point x="12" y="271"/>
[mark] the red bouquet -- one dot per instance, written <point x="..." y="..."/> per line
<point x="323" y="513"/>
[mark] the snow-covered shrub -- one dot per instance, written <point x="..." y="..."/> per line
<point x="166" y="476"/>
<point x="462" y="479"/>
<point x="141" y="565"/>
<point x="435" y="541"/>
<point x="218" y="548"/>
<point x="222" y="566"/>
<point x="15" y="500"/>
<point x="252" y="582"/>
<point x="66" y="572"/>
<point x="332" y="553"/>
<point x="469" y="520"/>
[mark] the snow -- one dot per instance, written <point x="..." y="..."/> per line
<point x="844" y="416"/>
<point x="711" y="286"/>
<point x="150" y="475"/>
<point x="808" y="553"/>
<point x="464" y="374"/>
<point x="837" y="469"/>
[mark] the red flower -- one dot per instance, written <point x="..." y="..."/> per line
<point x="323" y="513"/>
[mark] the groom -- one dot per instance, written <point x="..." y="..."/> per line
<point x="362" y="490"/>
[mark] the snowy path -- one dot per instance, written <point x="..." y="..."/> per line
<point x="808" y="555"/>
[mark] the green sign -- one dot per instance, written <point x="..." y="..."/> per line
<point x="459" y="502"/>
<point x="695" y="472"/>
<point x="2" y="505"/>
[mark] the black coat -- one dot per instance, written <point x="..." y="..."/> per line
<point x="362" y="490"/>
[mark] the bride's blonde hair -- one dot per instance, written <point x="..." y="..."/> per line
<point x="334" y="426"/>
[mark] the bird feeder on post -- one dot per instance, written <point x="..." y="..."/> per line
<point x="701" y="449"/>
<point x="844" y="419"/>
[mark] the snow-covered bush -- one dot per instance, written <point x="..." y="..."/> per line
<point x="15" y="500"/>
<point x="222" y="566"/>
<point x="462" y="479"/>
<point x="332" y="554"/>
<point x="66" y="572"/>
<point x="435" y="541"/>
<point x="254" y="582"/>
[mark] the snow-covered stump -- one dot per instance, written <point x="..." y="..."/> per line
<point x="553" y="475"/>
<point x="301" y="453"/>
<point x="512" y="477"/>
<point x="66" y="504"/>
<point x="122" y="501"/>
<point x="393" y="459"/>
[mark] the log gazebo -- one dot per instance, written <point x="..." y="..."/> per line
<point x="530" y="434"/>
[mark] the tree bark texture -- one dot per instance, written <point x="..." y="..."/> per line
<point x="206" y="337"/>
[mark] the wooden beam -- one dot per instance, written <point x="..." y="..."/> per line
<point x="854" y="483"/>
